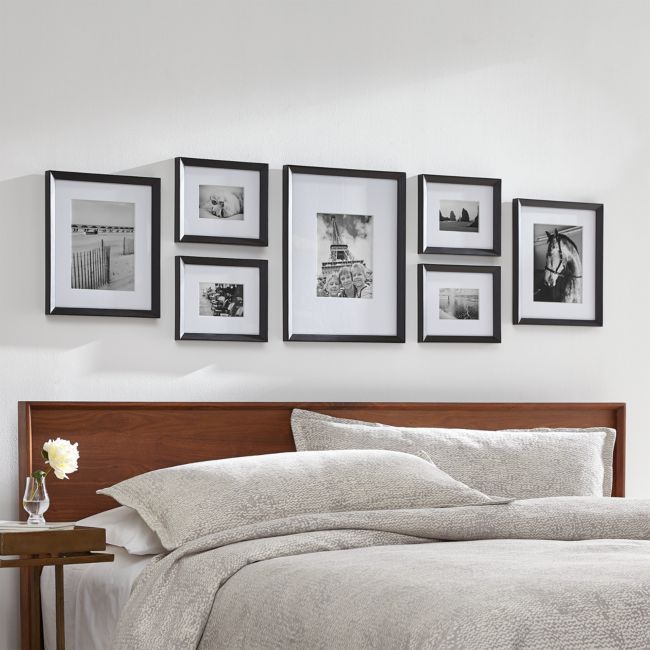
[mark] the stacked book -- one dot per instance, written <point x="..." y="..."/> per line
<point x="24" y="527"/>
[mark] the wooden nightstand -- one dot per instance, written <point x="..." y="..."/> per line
<point x="49" y="548"/>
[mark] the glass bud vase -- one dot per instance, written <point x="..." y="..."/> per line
<point x="35" y="500"/>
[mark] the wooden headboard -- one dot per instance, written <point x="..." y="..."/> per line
<point x="121" y="439"/>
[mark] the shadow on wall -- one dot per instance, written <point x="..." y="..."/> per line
<point x="22" y="265"/>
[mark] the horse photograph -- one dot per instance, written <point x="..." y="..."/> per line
<point x="558" y="263"/>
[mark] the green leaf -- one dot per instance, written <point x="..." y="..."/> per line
<point x="44" y="454"/>
<point x="38" y="475"/>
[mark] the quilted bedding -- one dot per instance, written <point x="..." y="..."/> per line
<point x="548" y="573"/>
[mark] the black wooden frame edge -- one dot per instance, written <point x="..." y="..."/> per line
<point x="400" y="178"/>
<point x="515" y="262"/>
<point x="598" y="209"/>
<point x="352" y="338"/>
<point x="494" y="183"/>
<point x="117" y="179"/>
<point x="221" y="164"/>
<point x="401" y="259"/>
<point x="90" y="177"/>
<point x="569" y="205"/>
<point x="261" y="265"/>
<point x="262" y="168"/>
<point x="342" y="171"/>
<point x="285" y="252"/>
<point x="461" y="180"/>
<point x="475" y="252"/>
<point x="48" y="241"/>
<point x="495" y="271"/>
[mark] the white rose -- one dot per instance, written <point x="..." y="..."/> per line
<point x="62" y="456"/>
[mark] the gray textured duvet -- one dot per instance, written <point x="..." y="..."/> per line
<point x="542" y="573"/>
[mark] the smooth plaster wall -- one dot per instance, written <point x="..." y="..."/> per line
<point x="553" y="97"/>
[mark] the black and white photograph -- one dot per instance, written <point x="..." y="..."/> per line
<point x="103" y="251"/>
<point x="558" y="258"/>
<point x="344" y="256"/>
<point x="221" y="202"/>
<point x="558" y="263"/>
<point x="344" y="237"/>
<point x="221" y="299"/>
<point x="459" y="215"/>
<point x="103" y="245"/>
<point x="459" y="304"/>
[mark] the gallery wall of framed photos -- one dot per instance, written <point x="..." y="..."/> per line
<point x="343" y="260"/>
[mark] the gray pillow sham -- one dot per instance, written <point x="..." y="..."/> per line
<point x="188" y="501"/>
<point x="517" y="463"/>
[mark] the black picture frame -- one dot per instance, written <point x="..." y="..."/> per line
<point x="400" y="252"/>
<point x="598" y="209"/>
<point x="261" y="168"/>
<point x="261" y="265"/>
<point x="494" y="183"/>
<point x="51" y="176"/>
<point x="495" y="271"/>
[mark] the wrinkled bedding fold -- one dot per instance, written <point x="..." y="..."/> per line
<point x="177" y="601"/>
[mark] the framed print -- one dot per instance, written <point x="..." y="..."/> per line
<point x="102" y="247"/>
<point x="221" y="299"/>
<point x="558" y="263"/>
<point x="459" y="215"/>
<point x="344" y="234"/>
<point x="221" y="202"/>
<point x="459" y="304"/>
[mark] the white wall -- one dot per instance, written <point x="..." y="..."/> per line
<point x="553" y="97"/>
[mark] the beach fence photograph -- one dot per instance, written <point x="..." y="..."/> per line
<point x="103" y="250"/>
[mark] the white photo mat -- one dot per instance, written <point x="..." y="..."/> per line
<point x="312" y="194"/>
<point x="63" y="192"/>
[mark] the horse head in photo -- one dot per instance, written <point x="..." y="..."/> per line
<point x="563" y="268"/>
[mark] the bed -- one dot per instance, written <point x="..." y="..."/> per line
<point x="121" y="440"/>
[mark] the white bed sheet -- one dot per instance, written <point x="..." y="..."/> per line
<point x="94" y="597"/>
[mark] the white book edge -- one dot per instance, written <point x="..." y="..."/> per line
<point x="23" y="526"/>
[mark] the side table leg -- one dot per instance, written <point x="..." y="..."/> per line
<point x="60" y="621"/>
<point x="36" y="607"/>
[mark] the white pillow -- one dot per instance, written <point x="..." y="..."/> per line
<point x="126" y="528"/>
<point x="519" y="464"/>
<point x="185" y="502"/>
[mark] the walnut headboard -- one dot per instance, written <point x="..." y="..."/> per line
<point x="121" y="439"/>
